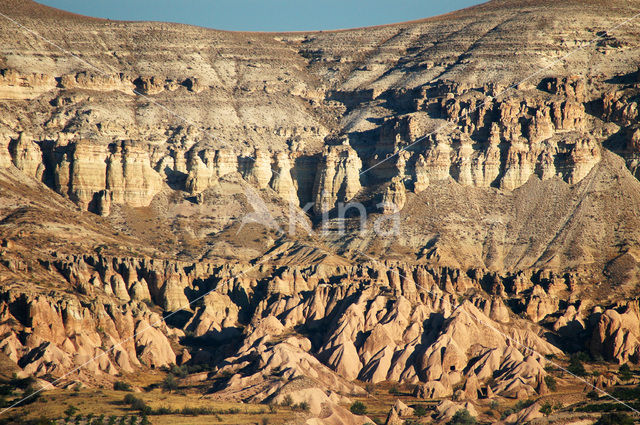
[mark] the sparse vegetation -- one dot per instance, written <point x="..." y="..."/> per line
<point x="462" y="417"/>
<point x="523" y="404"/>
<point x="615" y="419"/>
<point x="420" y="411"/>
<point x="302" y="406"/>
<point x="121" y="386"/>
<point x="358" y="408"/>
<point x="287" y="401"/>
<point x="624" y="372"/>
<point x="576" y="367"/>
<point x="551" y="382"/>
<point x="170" y="383"/>
<point x="546" y="408"/>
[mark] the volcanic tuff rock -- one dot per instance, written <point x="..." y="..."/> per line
<point x="515" y="202"/>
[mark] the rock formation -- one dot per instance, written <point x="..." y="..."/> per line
<point x="195" y="194"/>
<point x="337" y="178"/>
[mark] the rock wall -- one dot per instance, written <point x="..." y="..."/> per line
<point x="487" y="142"/>
<point x="337" y="177"/>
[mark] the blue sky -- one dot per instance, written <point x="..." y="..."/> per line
<point x="264" y="15"/>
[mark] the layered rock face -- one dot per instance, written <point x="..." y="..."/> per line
<point x="494" y="143"/>
<point x="516" y="205"/>
<point x="337" y="178"/>
<point x="490" y="143"/>
<point x="120" y="172"/>
<point x="497" y="136"/>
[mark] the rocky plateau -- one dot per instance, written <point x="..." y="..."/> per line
<point x="174" y="195"/>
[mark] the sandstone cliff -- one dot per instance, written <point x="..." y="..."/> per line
<point x="193" y="189"/>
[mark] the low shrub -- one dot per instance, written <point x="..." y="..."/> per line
<point x="624" y="372"/>
<point x="608" y="407"/>
<point x="121" y="386"/>
<point x="462" y="417"/>
<point x="615" y="419"/>
<point x="419" y="411"/>
<point x="302" y="406"/>
<point x="551" y="382"/>
<point x="358" y="408"/>
<point x="287" y="401"/>
<point x="137" y="404"/>
<point x="576" y="367"/>
<point x="625" y="393"/>
<point x="546" y="408"/>
<point x="169" y="383"/>
<point x="523" y="404"/>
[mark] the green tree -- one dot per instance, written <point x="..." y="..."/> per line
<point x="546" y="408"/>
<point x="170" y="383"/>
<point x="624" y="372"/>
<point x="30" y="395"/>
<point x="145" y="420"/>
<point x="462" y="417"/>
<point x="420" y="411"/>
<point x="593" y="395"/>
<point x="133" y="420"/>
<point x="551" y="382"/>
<point x="112" y="420"/>
<point x="358" y="408"/>
<point x="70" y="411"/>
<point x="121" y="386"/>
<point x="576" y="367"/>
<point x="617" y="418"/>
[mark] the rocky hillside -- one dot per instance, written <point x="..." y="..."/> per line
<point x="175" y="195"/>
